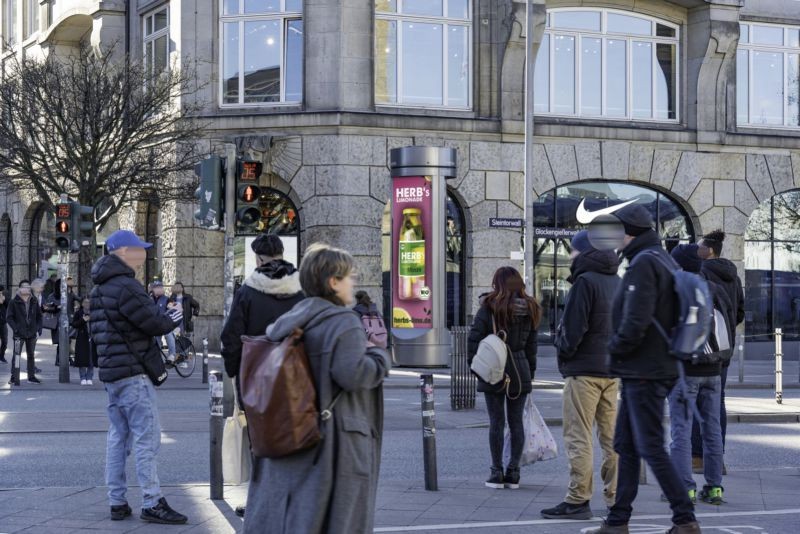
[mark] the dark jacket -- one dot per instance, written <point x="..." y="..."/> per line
<point x="25" y="324"/>
<point x="711" y="364"/>
<point x="121" y="307"/>
<point x="585" y="330"/>
<point x="646" y="294"/>
<point x="272" y="290"/>
<point x="723" y="272"/>
<point x="3" y="312"/>
<point x="83" y="346"/>
<point x="191" y="308"/>
<point x="521" y="341"/>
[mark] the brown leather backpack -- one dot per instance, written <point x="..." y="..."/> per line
<point x="279" y="396"/>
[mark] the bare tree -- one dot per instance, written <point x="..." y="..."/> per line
<point x="100" y="127"/>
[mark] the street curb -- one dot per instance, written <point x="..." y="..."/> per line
<point x="753" y="418"/>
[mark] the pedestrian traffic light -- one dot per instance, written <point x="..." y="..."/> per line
<point x="63" y="223"/>
<point x="210" y="193"/>
<point x="248" y="193"/>
<point x="82" y="226"/>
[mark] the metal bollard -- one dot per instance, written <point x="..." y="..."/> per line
<point x="428" y="432"/>
<point x="642" y="472"/>
<point x="205" y="360"/>
<point x="778" y="366"/>
<point x="216" y="425"/>
<point x="741" y="359"/>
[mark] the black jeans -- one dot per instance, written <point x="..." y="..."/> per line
<point x="638" y="435"/>
<point x="498" y="406"/>
<point x="3" y="340"/>
<point x="30" y="349"/>
<point x="697" y="438"/>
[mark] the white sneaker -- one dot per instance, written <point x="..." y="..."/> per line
<point x="183" y="365"/>
<point x="83" y="382"/>
<point x="88" y="382"/>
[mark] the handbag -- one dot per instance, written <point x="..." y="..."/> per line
<point x="49" y="320"/>
<point x="539" y="442"/>
<point x="489" y="362"/>
<point x="151" y="361"/>
<point x="236" y="459"/>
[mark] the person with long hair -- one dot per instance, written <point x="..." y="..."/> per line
<point x="509" y="312"/>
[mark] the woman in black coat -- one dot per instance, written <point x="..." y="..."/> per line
<point x="509" y="309"/>
<point x="84" y="355"/>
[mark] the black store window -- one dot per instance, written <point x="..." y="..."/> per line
<point x="555" y="221"/>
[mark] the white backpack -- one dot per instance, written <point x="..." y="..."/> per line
<point x="489" y="362"/>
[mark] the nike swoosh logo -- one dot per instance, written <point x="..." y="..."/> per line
<point x="586" y="217"/>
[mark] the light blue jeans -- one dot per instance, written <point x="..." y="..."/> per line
<point x="133" y="414"/>
<point x="87" y="373"/>
<point x="170" y="344"/>
<point x="705" y="393"/>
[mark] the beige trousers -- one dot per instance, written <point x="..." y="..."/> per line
<point x="588" y="400"/>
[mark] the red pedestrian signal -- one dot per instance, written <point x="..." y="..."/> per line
<point x="63" y="216"/>
<point x="249" y="193"/>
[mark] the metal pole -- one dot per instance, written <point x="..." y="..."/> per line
<point x="527" y="232"/>
<point x="63" y="322"/>
<point x="778" y="366"/>
<point x="205" y="360"/>
<point x="216" y="426"/>
<point x="428" y="432"/>
<point x="741" y="359"/>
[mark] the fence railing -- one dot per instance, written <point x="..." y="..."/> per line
<point x="463" y="384"/>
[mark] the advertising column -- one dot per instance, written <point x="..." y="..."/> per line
<point x="419" y="335"/>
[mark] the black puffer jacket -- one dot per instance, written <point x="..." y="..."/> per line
<point x="522" y="342"/>
<point x="723" y="272"/>
<point x="646" y="293"/>
<point x="118" y="297"/>
<point x="24" y="324"/>
<point x="585" y="329"/>
<point x="272" y="290"/>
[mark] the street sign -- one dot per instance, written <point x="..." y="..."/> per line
<point x="505" y="222"/>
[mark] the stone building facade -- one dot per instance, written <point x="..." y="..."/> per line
<point x="327" y="152"/>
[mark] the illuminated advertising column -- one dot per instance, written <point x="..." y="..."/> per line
<point x="419" y="194"/>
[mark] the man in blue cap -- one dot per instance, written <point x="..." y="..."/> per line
<point x="124" y="323"/>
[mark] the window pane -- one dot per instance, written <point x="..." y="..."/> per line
<point x="262" y="61"/>
<point x="579" y="20"/>
<point x="261" y="6"/>
<point x="385" y="61"/>
<point x="629" y="25"/>
<point x="387" y="6"/>
<point x="767" y="88"/>
<point x="758" y="288"/>
<point x="616" y="75"/>
<point x="770" y="35"/>
<point x="666" y="81"/>
<point x="423" y="7"/>
<point x="786" y="213"/>
<point x="295" y="6"/>
<point x="160" y="20"/>
<point x="230" y="69"/>
<point x="161" y="53"/>
<point x="148" y="58"/>
<point x="422" y="63"/>
<point x="794" y="90"/>
<point x="458" y="66"/>
<point x="662" y="30"/>
<point x="744" y="33"/>
<point x="591" y="76"/>
<point x="759" y="225"/>
<point x="794" y="37"/>
<point x="642" y="87"/>
<point x="742" y="86"/>
<point x="230" y="7"/>
<point x="148" y="26"/>
<point x="564" y="73"/>
<point x="541" y="78"/>
<point x="458" y="9"/>
<point x="786" y="294"/>
<point x="294" y="61"/>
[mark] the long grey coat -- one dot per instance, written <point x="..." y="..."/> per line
<point x="336" y="493"/>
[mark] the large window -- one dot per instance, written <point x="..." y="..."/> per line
<point x="423" y="52"/>
<point x="10" y="34"/>
<point x="155" y="32"/>
<point x="31" y="17"/>
<point x="768" y="76"/>
<point x="607" y="64"/>
<point x="262" y="52"/>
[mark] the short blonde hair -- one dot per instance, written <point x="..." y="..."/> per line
<point x="322" y="262"/>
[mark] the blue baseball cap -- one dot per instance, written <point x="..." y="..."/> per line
<point x="125" y="238"/>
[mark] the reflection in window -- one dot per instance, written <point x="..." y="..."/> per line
<point x="43" y="258"/>
<point x="768" y="76"/>
<point x="262" y="54"/>
<point x="423" y="53"/>
<point x="155" y="37"/>
<point x="599" y="82"/>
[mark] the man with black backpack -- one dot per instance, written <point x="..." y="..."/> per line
<point x="640" y="356"/>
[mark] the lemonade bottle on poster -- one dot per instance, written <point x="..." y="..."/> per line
<point x="411" y="259"/>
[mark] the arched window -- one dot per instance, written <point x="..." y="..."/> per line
<point x="772" y="268"/>
<point x="42" y="255"/>
<point x="608" y="64"/>
<point x="555" y="221"/>
<point x="6" y="251"/>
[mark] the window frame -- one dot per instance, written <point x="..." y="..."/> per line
<point x="240" y="19"/>
<point x="149" y="40"/>
<point x="604" y="35"/>
<point x="785" y="50"/>
<point x="446" y="22"/>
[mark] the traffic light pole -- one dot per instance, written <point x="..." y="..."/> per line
<point x="63" y="321"/>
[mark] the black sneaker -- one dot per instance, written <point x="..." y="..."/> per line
<point x="34" y="380"/>
<point x="120" y="512"/>
<point x="38" y="370"/>
<point x="566" y="510"/>
<point x="3" y="360"/>
<point x="162" y="513"/>
<point x="239" y="511"/>
<point x="511" y="480"/>
<point x="496" y="481"/>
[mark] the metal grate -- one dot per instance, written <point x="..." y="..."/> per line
<point x="463" y="384"/>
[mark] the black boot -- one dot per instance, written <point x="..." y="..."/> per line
<point x="162" y="513"/>
<point x="120" y="512"/>
<point x="496" y="480"/>
<point x="511" y="480"/>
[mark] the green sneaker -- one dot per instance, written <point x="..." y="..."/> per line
<point x="693" y="496"/>
<point x="711" y="495"/>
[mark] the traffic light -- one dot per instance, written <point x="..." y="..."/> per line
<point x="63" y="224"/>
<point x="248" y="193"/>
<point x="210" y="193"/>
<point x="82" y="227"/>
